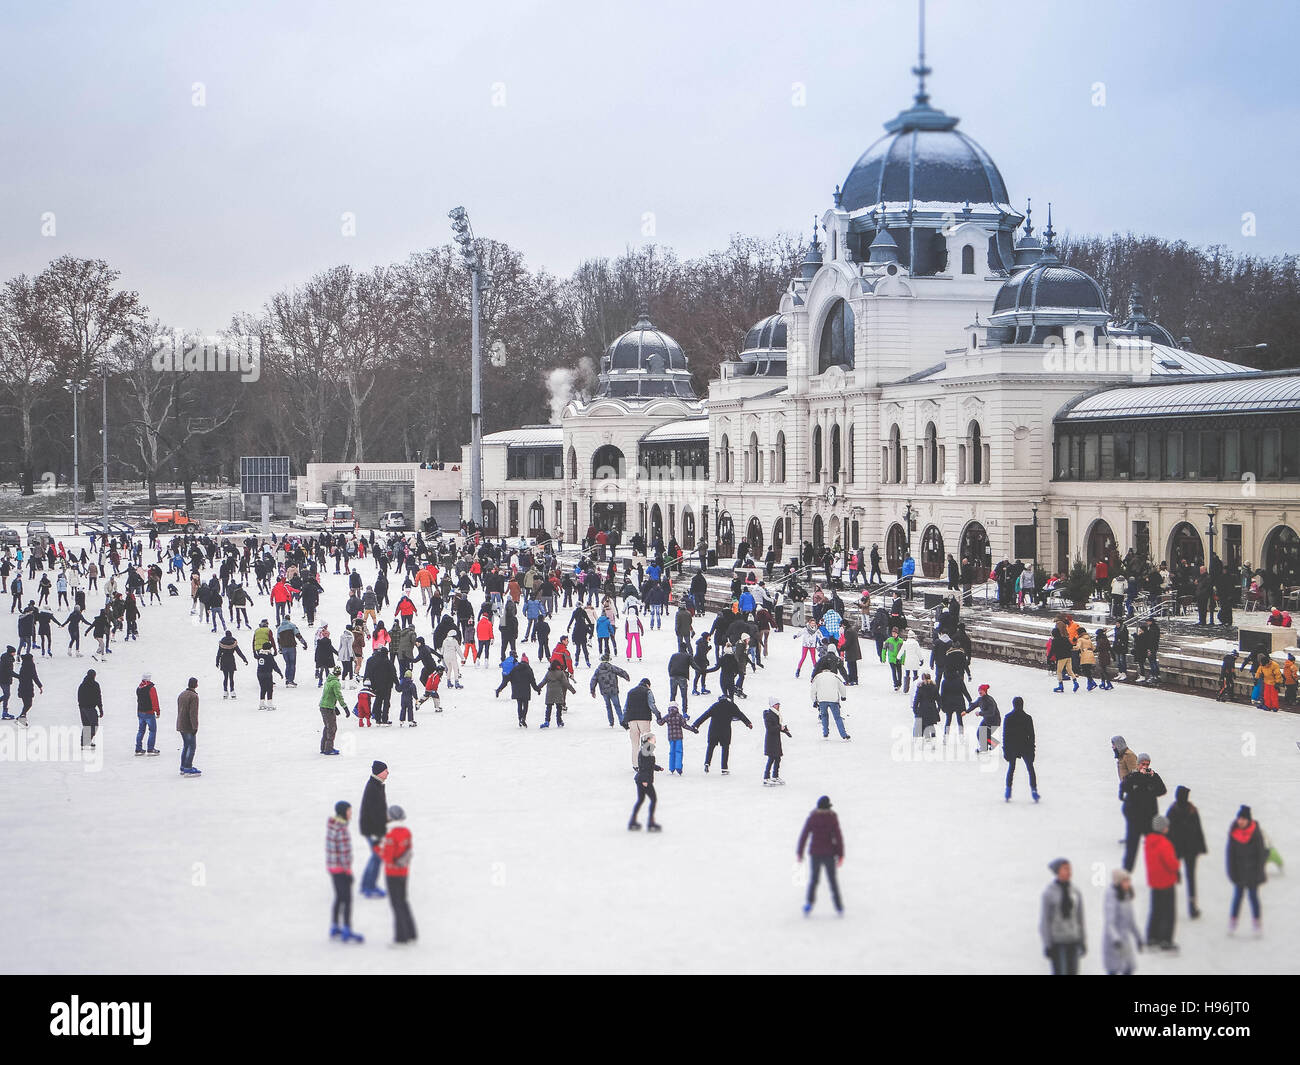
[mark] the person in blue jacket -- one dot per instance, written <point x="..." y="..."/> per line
<point x="906" y="573"/>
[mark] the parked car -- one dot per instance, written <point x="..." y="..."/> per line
<point x="38" y="535"/>
<point x="9" y="537"/>
<point x="235" y="528"/>
<point x="393" y="521"/>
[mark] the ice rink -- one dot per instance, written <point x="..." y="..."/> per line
<point x="523" y="862"/>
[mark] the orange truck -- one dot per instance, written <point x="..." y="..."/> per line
<point x="172" y="518"/>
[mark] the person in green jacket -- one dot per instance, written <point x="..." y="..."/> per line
<point x="331" y="701"/>
<point x="262" y="637"/>
<point x="892" y="652"/>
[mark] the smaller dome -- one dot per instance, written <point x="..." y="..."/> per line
<point x="1139" y="325"/>
<point x="1049" y="286"/>
<point x="763" y="353"/>
<point x="766" y="335"/>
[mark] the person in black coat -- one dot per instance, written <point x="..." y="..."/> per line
<point x="1018" y="742"/>
<point x="1246" y="857"/>
<point x="1140" y="791"/>
<point x="720" y="716"/>
<point x="523" y="682"/>
<point x="773" y="730"/>
<point x="646" y="768"/>
<point x="1188" y="840"/>
<point x="925" y="708"/>
<point x="90" y="703"/>
<point x="374" y="826"/>
<point x="381" y="675"/>
<point x="954" y="699"/>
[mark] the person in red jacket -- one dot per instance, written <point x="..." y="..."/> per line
<point x="827" y="850"/>
<point x="396" y="851"/>
<point x="483" y="632"/>
<point x="281" y="596"/>
<point x="562" y="656"/>
<point x="146" y="706"/>
<point x="1162" y="875"/>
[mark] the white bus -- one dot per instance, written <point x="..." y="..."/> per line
<point x="341" y="519"/>
<point x="311" y="516"/>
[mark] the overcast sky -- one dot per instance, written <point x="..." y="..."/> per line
<point x="392" y="112"/>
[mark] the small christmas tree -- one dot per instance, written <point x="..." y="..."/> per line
<point x="1078" y="586"/>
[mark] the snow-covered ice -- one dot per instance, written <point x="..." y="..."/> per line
<point x="522" y="859"/>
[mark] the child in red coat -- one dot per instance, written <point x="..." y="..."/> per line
<point x="1162" y="875"/>
<point x="364" y="698"/>
<point x="396" y="851"/>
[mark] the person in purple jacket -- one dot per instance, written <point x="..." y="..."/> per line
<point x="821" y="832"/>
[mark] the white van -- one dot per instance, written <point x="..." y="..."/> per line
<point x="393" y="521"/>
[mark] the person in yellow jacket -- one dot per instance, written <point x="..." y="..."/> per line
<point x="1087" y="656"/>
<point x="1270" y="676"/>
<point x="1290" y="677"/>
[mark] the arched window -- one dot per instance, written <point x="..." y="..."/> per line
<point x="573" y="464"/>
<point x="835" y="454"/>
<point x="724" y="459"/>
<point x="817" y="453"/>
<point x="837" y="338"/>
<point x="896" y="455"/>
<point x="755" y="467"/>
<point x="932" y="453"/>
<point x="968" y="260"/>
<point x="688" y="529"/>
<point x="780" y="457"/>
<point x="607" y="461"/>
<point x="976" y="454"/>
<point x="537" y="519"/>
<point x="489" y="517"/>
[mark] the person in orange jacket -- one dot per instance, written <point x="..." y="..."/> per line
<point x="396" y="850"/>
<point x="1290" y="677"/>
<point x="483" y="632"/>
<point x="1162" y="875"/>
<point x="1270" y="676"/>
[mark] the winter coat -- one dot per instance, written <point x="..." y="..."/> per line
<point x="373" y="821"/>
<point x="1018" y="736"/>
<point x="523" y="682"/>
<point x="676" y="723"/>
<point x="640" y="703"/>
<point x="1140" y="792"/>
<point x="987" y="707"/>
<point x="828" y="687"/>
<point x="1087" y="653"/>
<point x="821" y="832"/>
<point x="380" y="671"/>
<point x="772" y="733"/>
<point x="1126" y="762"/>
<point x="227" y="649"/>
<point x="892" y="651"/>
<point x="1120" y="936"/>
<point x="1246" y="855"/>
<point x="90" y="701"/>
<point x="1054" y="925"/>
<point x="953" y="696"/>
<point x="326" y="657"/>
<point x="187" y="711"/>
<point x="925" y="704"/>
<point x="1185" y="826"/>
<point x="146" y="698"/>
<point x="606" y="676"/>
<point x="338" y="846"/>
<point x="1161" y="861"/>
<point x="331" y="696"/>
<point x="557" y="683"/>
<point x="397" y="851"/>
<point x="720" y="716"/>
<point x="646" y="767"/>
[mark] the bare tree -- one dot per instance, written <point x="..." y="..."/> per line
<point x="25" y="359"/>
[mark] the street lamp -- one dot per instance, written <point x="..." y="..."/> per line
<point x="69" y="385"/>
<point x="478" y="283"/>
<point x="1246" y="347"/>
<point x="1034" y="504"/>
<point x="1211" y="508"/>
<point x="717" y="523"/>
<point x="907" y="525"/>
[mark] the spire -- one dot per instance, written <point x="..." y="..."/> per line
<point x="1049" y="232"/>
<point x="921" y="70"/>
<point x="1136" y="309"/>
<point x="813" y="260"/>
<point x="1029" y="217"/>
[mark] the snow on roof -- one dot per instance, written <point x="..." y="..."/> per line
<point x="1174" y="362"/>
<point x="682" y="429"/>
<point x="528" y="436"/>
<point x="1256" y="392"/>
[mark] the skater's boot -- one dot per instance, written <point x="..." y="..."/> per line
<point x="1091" y="684"/>
<point x="654" y="826"/>
<point x="807" y="908"/>
<point x="1059" y="688"/>
<point x="1076" y="685"/>
<point x="335" y="931"/>
<point x="1256" y="927"/>
<point x="1192" y="911"/>
<point x="350" y="936"/>
<point x="1035" y="795"/>
<point x="1007" y="796"/>
<point x="634" y="826"/>
<point x="1232" y="926"/>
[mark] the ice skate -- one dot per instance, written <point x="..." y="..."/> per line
<point x="350" y="936"/>
<point x="634" y="826"/>
<point x="655" y="827"/>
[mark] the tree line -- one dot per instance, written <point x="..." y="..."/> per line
<point x="374" y="365"/>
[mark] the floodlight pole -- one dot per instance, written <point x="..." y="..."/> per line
<point x="475" y="407"/>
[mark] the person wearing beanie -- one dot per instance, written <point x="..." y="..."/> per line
<point x="677" y="723"/>
<point x="331" y="702"/>
<point x="1188" y="840"/>
<point x="187" y="724"/>
<point x="374" y="826"/>
<point x="773" y="730"/>
<point x="1162" y="875"/>
<point x="1247" y="855"/>
<point x="646" y="768"/>
<point x="606" y="677"/>
<point x="90" y="703"/>
<point x="1119" y="939"/>
<point x="146" y="708"/>
<point x="1060" y="918"/>
<point x="825" y="842"/>
<point x="1018" y="742"/>
<point x="990" y="718"/>
<point x="1140" y="790"/>
<point x="338" y="863"/>
<point x="396" y="850"/>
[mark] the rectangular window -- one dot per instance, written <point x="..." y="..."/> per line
<point x="1270" y="454"/>
<point x="1173" y="456"/>
<point x="1076" y="457"/>
<point x="1250" y="452"/>
<point x="1231" y="455"/>
<point x="1290" y="455"/>
<point x="1090" y="457"/>
<point x="1142" y="538"/>
<point x="1232" y="546"/>
<point x="514" y="517"/>
<point x="1108" y="456"/>
<point x="1123" y="456"/>
<point x="1211" y="447"/>
<point x="1191" y="455"/>
<point x="1156" y="442"/>
<point x="1141" y="471"/>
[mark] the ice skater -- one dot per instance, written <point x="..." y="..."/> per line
<point x="396" y="851"/>
<point x="1018" y="743"/>
<point x="719" y="716"/>
<point x="338" y="863"/>
<point x="773" y="731"/>
<point x="825" y="842"/>
<point x="646" y="768"/>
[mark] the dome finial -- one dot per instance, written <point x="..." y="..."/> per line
<point x="816" y="240"/>
<point x="1029" y="217"/>
<point x="921" y="70"/>
<point x="838" y="196"/>
<point x="1049" y="232"/>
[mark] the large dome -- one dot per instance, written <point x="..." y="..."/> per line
<point x="923" y="158"/>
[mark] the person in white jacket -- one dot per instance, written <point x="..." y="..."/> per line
<point x="828" y="691"/>
<point x="1119" y="938"/>
<point x="913" y="658"/>
<point x="450" y="650"/>
<point x="808" y="639"/>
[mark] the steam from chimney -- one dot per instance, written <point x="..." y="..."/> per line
<point x="564" y="383"/>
